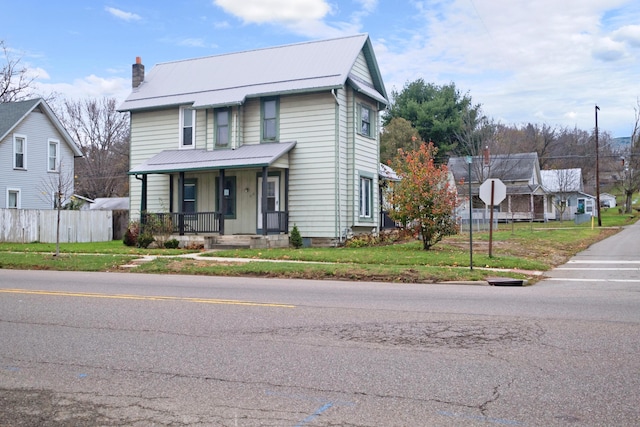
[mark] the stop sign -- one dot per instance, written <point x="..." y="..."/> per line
<point x="499" y="191"/>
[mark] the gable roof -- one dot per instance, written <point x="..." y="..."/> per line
<point x="506" y="167"/>
<point x="12" y="114"/>
<point x="230" y="79"/>
<point x="245" y="156"/>
<point x="562" y="180"/>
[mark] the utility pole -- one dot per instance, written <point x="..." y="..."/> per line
<point x="598" y="171"/>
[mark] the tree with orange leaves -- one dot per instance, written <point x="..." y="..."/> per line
<point x="423" y="198"/>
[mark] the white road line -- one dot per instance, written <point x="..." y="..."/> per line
<point x="596" y="261"/>
<point x="593" y="280"/>
<point x="598" y="268"/>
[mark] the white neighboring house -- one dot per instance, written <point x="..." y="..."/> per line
<point x="251" y="143"/>
<point x="566" y="189"/>
<point x="34" y="149"/>
<point x="608" y="200"/>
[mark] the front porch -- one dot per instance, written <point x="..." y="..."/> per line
<point x="210" y="194"/>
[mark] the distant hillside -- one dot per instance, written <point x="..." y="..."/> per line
<point x="621" y="143"/>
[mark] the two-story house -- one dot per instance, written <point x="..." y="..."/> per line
<point x="35" y="150"/>
<point x="251" y="143"/>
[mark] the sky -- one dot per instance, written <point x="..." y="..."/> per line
<point x="544" y="61"/>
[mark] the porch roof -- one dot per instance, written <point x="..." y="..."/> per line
<point x="246" y="156"/>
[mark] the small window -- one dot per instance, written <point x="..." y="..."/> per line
<point x="270" y="120"/>
<point x="19" y="152"/>
<point x="229" y="194"/>
<point x="189" y="197"/>
<point x="222" y="128"/>
<point x="53" y="155"/>
<point x="366" y="186"/>
<point x="13" y="199"/>
<point x="366" y="117"/>
<point x="187" y="119"/>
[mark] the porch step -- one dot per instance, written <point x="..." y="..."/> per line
<point x="238" y="241"/>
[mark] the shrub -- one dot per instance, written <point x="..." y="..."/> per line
<point x="145" y="239"/>
<point x="172" y="244"/>
<point x="131" y="235"/>
<point x="295" y="239"/>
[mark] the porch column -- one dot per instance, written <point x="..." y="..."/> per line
<point x="532" y="207"/>
<point x="286" y="201"/>
<point x="143" y="199"/>
<point x="181" y="203"/>
<point x="264" y="201"/>
<point x="222" y="202"/>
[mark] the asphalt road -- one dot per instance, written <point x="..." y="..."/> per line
<point x="87" y="349"/>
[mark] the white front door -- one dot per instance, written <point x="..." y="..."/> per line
<point x="273" y="196"/>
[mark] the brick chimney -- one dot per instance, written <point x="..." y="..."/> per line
<point x="137" y="73"/>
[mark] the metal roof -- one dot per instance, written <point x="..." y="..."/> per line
<point x="247" y="156"/>
<point x="507" y="167"/>
<point x="230" y="79"/>
<point x="562" y="180"/>
<point x="12" y="114"/>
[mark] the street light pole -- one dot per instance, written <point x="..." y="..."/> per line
<point x="469" y="161"/>
<point x="597" y="171"/>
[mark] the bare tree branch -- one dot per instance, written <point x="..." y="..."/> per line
<point x="15" y="82"/>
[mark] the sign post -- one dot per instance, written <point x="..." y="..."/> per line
<point x="492" y="193"/>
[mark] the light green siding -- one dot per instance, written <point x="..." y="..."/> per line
<point x="361" y="70"/>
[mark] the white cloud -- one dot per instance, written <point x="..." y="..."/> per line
<point x="276" y="11"/>
<point x="192" y="42"/>
<point x="608" y="50"/>
<point x="91" y="86"/>
<point x="121" y="14"/>
<point x="546" y="60"/>
<point x="629" y="34"/>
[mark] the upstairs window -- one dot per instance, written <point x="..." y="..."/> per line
<point x="187" y="123"/>
<point x="270" y="120"/>
<point x="222" y="128"/>
<point x="19" y="152"/>
<point x="52" y="164"/>
<point x="366" y="118"/>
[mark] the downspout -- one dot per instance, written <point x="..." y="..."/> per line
<point x="338" y="222"/>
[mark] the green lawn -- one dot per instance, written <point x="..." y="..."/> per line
<point x="521" y="246"/>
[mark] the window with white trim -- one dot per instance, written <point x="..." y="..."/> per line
<point x="269" y="112"/>
<point x="19" y="152"/>
<point x="366" y="197"/>
<point x="52" y="160"/>
<point x="366" y="117"/>
<point x="187" y="127"/>
<point x="222" y="128"/>
<point x="13" y="198"/>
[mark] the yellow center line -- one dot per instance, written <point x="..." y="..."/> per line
<point x="144" y="298"/>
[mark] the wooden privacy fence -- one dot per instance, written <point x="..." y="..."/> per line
<point x="32" y="225"/>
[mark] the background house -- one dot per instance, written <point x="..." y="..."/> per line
<point x="35" y="152"/>
<point x="251" y="143"/>
<point x="526" y="199"/>
<point x="566" y="189"/>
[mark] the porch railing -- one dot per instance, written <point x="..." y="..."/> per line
<point x="183" y="222"/>
<point x="278" y="222"/>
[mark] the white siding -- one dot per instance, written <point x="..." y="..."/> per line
<point x="35" y="180"/>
